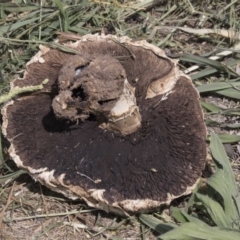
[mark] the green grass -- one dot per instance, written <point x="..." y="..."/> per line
<point x="187" y="30"/>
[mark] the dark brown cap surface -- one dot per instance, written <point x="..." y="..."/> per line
<point x="161" y="160"/>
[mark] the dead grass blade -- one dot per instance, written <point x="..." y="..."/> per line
<point x="1" y="152"/>
<point x="49" y="215"/>
<point x="234" y="35"/>
<point x="6" y="206"/>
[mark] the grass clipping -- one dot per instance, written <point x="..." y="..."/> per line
<point x="17" y="90"/>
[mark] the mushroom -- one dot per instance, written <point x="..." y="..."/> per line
<point x="117" y="125"/>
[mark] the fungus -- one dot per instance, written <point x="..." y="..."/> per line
<point x="117" y="124"/>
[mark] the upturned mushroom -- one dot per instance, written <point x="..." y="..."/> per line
<point x="118" y="124"/>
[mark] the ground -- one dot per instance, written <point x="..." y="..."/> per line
<point x="30" y="210"/>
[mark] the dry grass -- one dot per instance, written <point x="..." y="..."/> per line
<point x="31" y="211"/>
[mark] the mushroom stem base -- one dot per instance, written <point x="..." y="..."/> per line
<point x="97" y="87"/>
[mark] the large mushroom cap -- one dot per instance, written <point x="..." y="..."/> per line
<point x="118" y="125"/>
